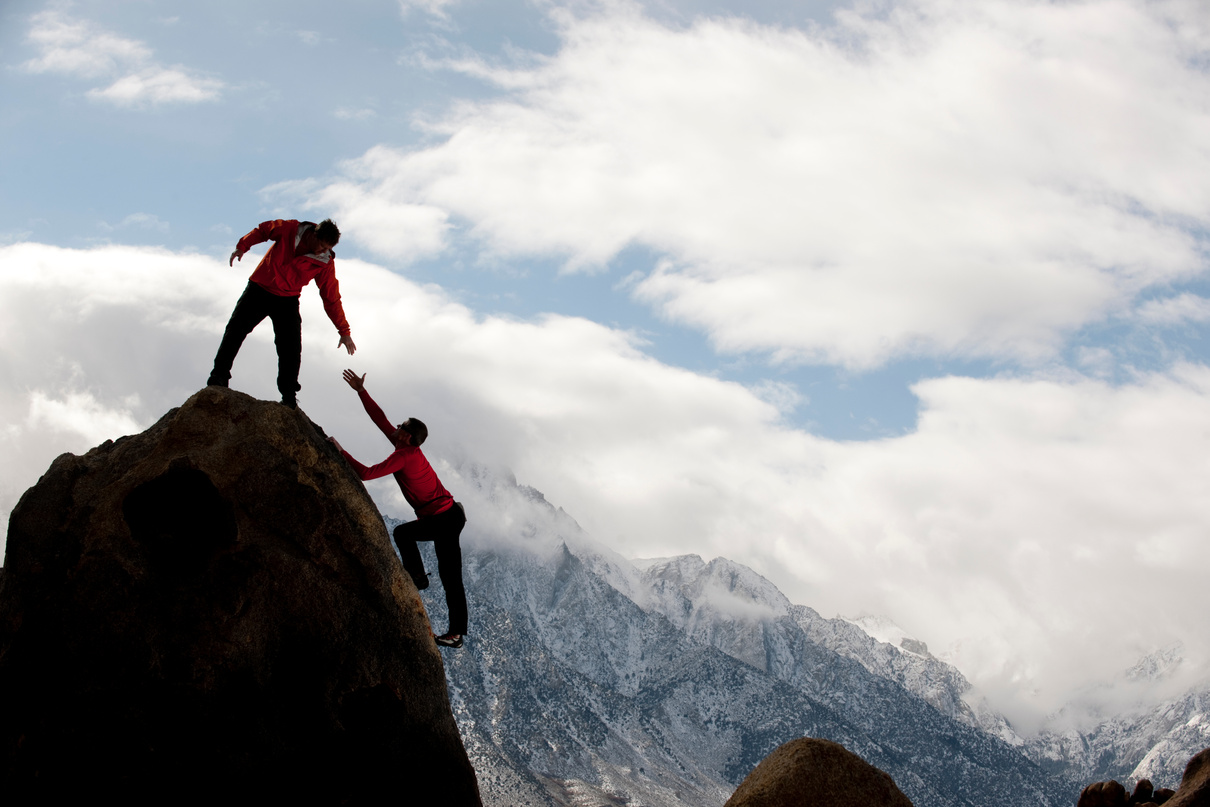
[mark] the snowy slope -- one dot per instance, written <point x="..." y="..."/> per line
<point x="589" y="679"/>
<point x="1116" y="730"/>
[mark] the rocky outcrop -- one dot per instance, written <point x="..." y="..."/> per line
<point x="213" y="607"/>
<point x="819" y="773"/>
<point x="1195" y="784"/>
<point x="1143" y="792"/>
<point x="1103" y="794"/>
<point x="1194" y="790"/>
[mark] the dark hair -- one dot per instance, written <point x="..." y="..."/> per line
<point x="417" y="429"/>
<point x="328" y="232"/>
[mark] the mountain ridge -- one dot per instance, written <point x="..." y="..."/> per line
<point x="586" y="676"/>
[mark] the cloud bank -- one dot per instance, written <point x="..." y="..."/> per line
<point x="1036" y="527"/>
<point x="84" y="50"/>
<point x="943" y="179"/>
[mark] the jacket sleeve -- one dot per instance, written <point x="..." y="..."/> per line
<point x="390" y="465"/>
<point x="329" y="292"/>
<point x="265" y="231"/>
<point x="376" y="414"/>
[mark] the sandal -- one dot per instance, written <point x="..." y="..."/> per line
<point x="449" y="640"/>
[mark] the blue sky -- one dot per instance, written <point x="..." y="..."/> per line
<point x="189" y="175"/>
<point x="904" y="304"/>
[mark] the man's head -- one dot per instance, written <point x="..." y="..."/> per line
<point x="413" y="431"/>
<point x="328" y="232"/>
<point x="318" y="240"/>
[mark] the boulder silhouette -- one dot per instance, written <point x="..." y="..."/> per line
<point x="1103" y="794"/>
<point x="1195" y="784"/>
<point x="820" y="773"/>
<point x="212" y="609"/>
<point x="1142" y="793"/>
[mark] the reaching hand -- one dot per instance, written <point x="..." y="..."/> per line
<point x="347" y="341"/>
<point x="235" y="256"/>
<point x="353" y="380"/>
<point x="339" y="447"/>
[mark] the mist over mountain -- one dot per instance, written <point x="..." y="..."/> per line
<point x="665" y="681"/>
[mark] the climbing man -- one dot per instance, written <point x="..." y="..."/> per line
<point x="439" y="518"/>
<point x="301" y="252"/>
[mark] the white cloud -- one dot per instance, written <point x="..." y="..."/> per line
<point x="780" y="394"/>
<point x="437" y="8"/>
<point x="403" y="230"/>
<point x="975" y="178"/>
<point x="1030" y="513"/>
<point x="1175" y="310"/>
<point x="144" y="221"/>
<point x="81" y="49"/>
<point x="1037" y="528"/>
<point x="159" y="85"/>
<point x="349" y="113"/>
<point x="79" y="413"/>
<point x="75" y="48"/>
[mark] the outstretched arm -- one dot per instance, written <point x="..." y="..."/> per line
<point x="372" y="409"/>
<point x="329" y="292"/>
<point x="263" y="232"/>
<point x="390" y="465"/>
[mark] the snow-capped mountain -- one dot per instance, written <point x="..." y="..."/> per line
<point x="1086" y="741"/>
<point x="1106" y="733"/>
<point x="589" y="679"/>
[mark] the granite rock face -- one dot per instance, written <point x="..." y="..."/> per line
<point x="816" y="772"/>
<point x="1194" y="790"/>
<point x="1195" y="785"/>
<point x="213" y="606"/>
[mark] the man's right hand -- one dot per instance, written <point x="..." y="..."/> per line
<point x="357" y="382"/>
<point x="235" y="256"/>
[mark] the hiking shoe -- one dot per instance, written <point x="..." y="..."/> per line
<point x="449" y="640"/>
<point x="421" y="582"/>
<point x="289" y="403"/>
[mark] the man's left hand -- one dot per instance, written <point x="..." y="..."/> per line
<point x="347" y="342"/>
<point x="333" y="441"/>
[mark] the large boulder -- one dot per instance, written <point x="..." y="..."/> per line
<point x="818" y="773"/>
<point x="213" y="608"/>
<point x="1195" y="784"/>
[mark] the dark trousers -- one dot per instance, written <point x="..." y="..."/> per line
<point x="254" y="305"/>
<point x="443" y="530"/>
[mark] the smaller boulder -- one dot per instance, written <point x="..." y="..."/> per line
<point x="1143" y="792"/>
<point x="1103" y="794"/>
<point x="816" y="772"/>
<point x="1162" y="795"/>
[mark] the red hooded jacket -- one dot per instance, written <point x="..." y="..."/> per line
<point x="417" y="479"/>
<point x="284" y="273"/>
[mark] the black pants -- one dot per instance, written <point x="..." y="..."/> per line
<point x="443" y="530"/>
<point x="254" y="305"/>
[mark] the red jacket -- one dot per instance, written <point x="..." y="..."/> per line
<point x="283" y="273"/>
<point x="416" y="478"/>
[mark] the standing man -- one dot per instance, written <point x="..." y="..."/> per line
<point x="439" y="518"/>
<point x="301" y="252"/>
